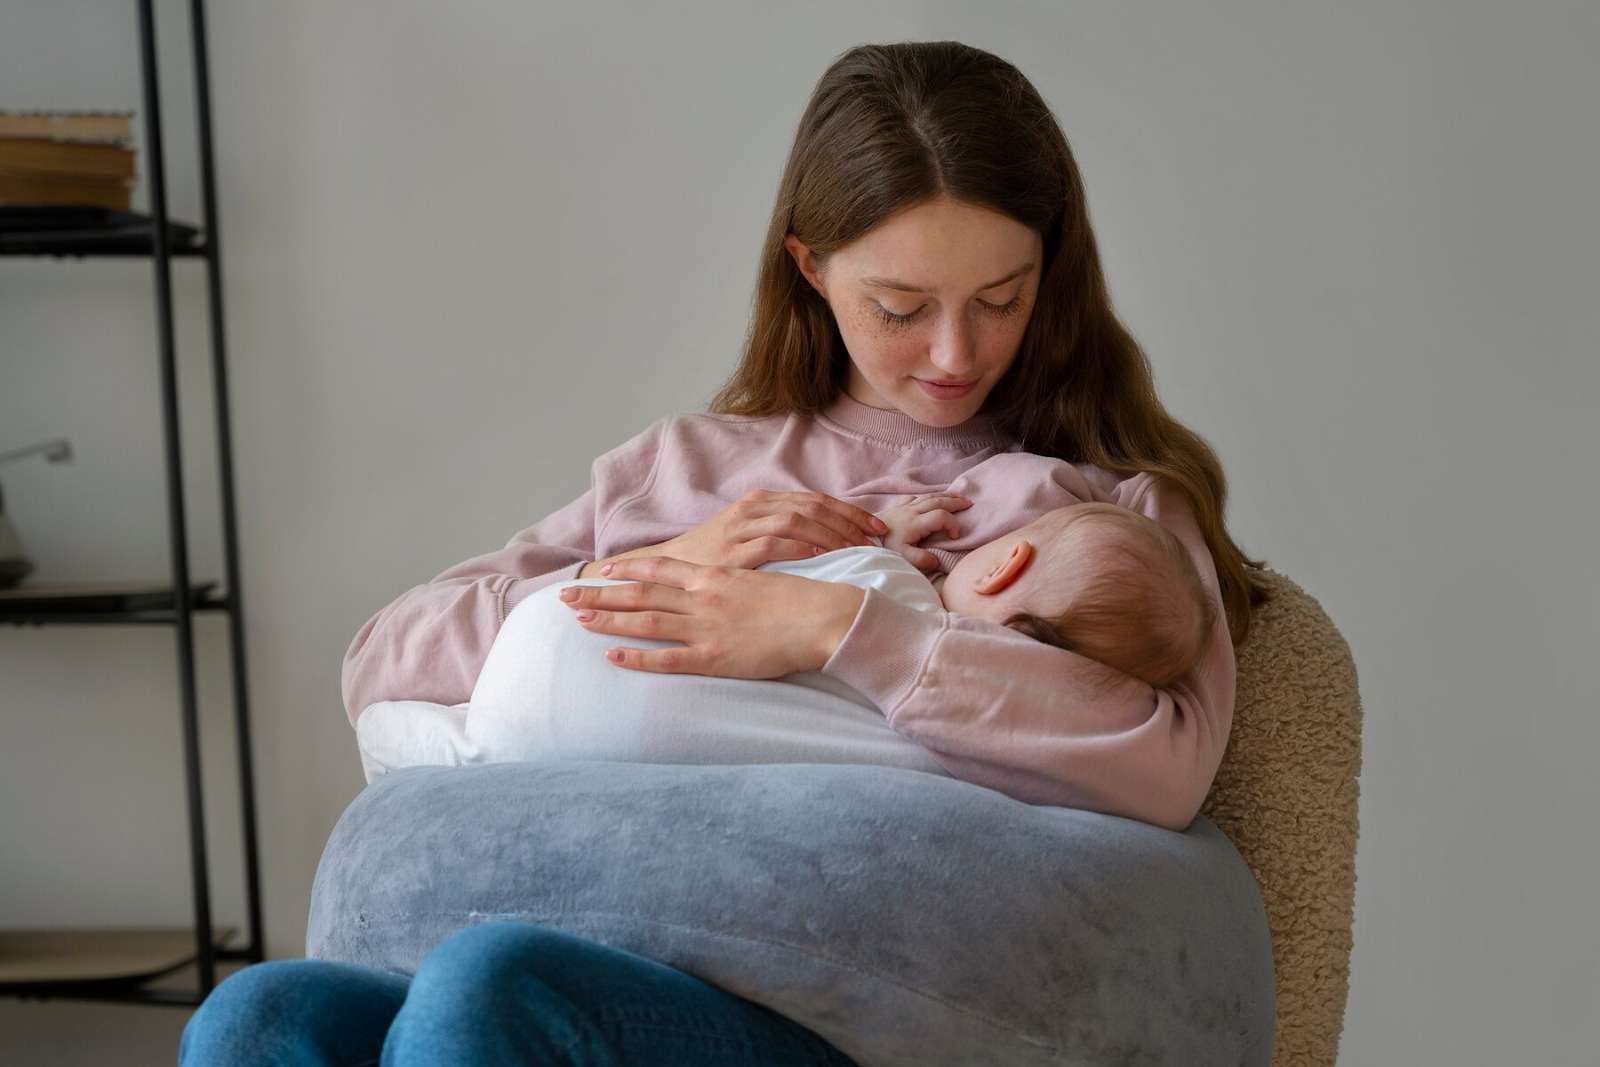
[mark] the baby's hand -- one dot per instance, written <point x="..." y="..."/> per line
<point x="916" y="518"/>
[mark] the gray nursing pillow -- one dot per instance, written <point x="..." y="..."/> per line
<point x="908" y="918"/>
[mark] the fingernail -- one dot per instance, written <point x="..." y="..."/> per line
<point x="816" y="550"/>
<point x="879" y="525"/>
<point x="606" y="569"/>
<point x="586" y="615"/>
<point x="569" y="594"/>
<point x="615" y="655"/>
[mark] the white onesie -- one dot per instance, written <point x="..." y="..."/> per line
<point x="547" y="692"/>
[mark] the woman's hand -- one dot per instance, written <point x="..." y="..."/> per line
<point x="762" y="526"/>
<point x="735" y="623"/>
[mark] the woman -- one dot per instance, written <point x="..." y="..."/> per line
<point x="930" y="296"/>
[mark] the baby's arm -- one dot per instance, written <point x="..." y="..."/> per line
<point x="917" y="517"/>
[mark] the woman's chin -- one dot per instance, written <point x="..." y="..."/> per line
<point x="942" y="416"/>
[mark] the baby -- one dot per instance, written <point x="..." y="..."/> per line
<point x="1094" y="578"/>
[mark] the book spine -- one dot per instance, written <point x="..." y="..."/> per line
<point x="30" y="189"/>
<point x="87" y="126"/>
<point x="45" y="158"/>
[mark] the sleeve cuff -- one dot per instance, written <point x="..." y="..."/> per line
<point x="517" y="590"/>
<point x="883" y="653"/>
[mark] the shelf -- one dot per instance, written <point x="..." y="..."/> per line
<point x="68" y="230"/>
<point x="61" y="962"/>
<point x="148" y="966"/>
<point x="103" y="602"/>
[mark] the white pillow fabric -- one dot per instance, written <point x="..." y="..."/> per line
<point x="412" y="733"/>
<point x="546" y="692"/>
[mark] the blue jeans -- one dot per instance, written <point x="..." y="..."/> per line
<point x="499" y="993"/>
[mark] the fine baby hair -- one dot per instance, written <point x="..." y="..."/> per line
<point x="1133" y="598"/>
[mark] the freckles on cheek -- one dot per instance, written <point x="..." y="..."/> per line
<point x="879" y="344"/>
<point x="868" y="323"/>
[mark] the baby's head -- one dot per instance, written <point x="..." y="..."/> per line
<point x="1097" y="579"/>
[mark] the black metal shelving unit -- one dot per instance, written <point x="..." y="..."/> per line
<point x="118" y="965"/>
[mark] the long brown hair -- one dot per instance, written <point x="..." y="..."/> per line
<point x="892" y="126"/>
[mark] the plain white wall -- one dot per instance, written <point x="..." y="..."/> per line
<point x="469" y="247"/>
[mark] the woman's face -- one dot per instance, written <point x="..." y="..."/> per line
<point x="932" y="306"/>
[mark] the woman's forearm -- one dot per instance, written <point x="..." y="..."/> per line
<point x="844" y="606"/>
<point x="732" y="622"/>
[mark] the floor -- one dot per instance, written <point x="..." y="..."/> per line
<point x="68" y="1033"/>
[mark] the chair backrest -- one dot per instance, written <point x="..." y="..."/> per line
<point x="1286" y="795"/>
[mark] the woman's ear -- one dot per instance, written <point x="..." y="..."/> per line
<point x="1008" y="570"/>
<point x="802" y="259"/>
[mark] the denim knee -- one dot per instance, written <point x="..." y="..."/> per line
<point x="520" y="993"/>
<point x="483" y="996"/>
<point x="475" y="963"/>
<point x="293" y="1012"/>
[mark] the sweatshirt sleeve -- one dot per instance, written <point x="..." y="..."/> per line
<point x="431" y="642"/>
<point x="1042" y="724"/>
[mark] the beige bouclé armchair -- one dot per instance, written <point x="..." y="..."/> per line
<point x="1286" y="796"/>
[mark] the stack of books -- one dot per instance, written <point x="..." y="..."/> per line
<point x="77" y="158"/>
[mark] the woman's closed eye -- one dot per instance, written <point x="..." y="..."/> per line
<point x="1001" y="310"/>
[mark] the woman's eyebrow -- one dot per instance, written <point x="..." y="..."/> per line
<point x="904" y="287"/>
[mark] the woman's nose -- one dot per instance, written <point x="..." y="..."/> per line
<point x="955" y="348"/>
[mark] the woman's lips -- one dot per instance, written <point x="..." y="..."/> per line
<point x="947" y="392"/>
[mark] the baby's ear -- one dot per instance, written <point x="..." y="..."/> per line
<point x="1008" y="570"/>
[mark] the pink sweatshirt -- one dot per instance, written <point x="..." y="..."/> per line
<point x="995" y="707"/>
